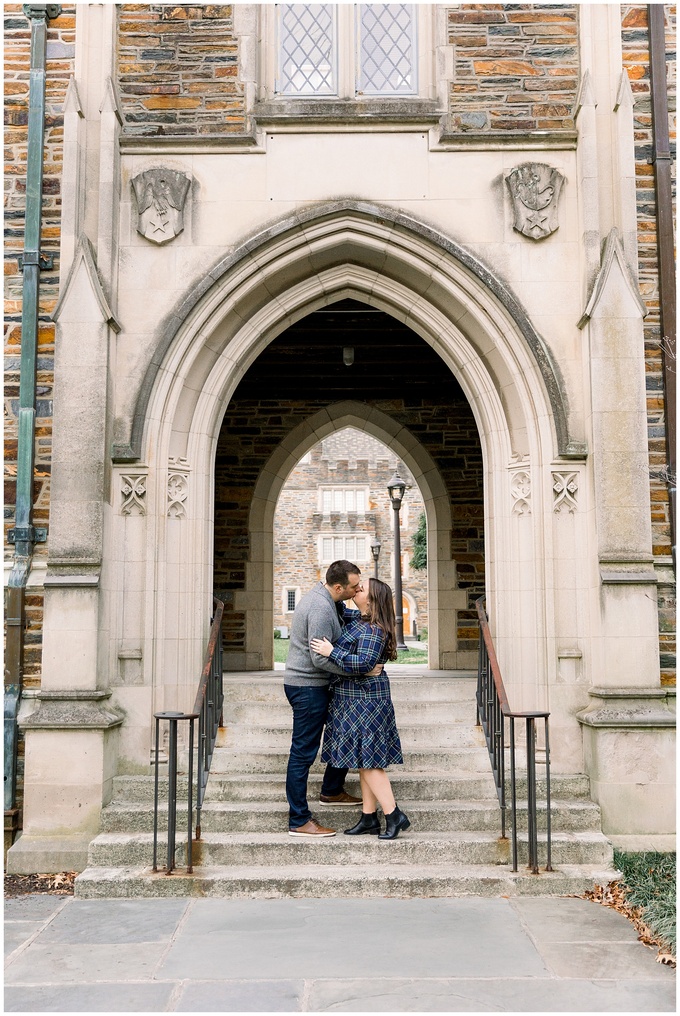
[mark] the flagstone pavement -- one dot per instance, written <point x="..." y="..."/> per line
<point x="467" y="954"/>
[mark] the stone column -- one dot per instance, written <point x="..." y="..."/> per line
<point x="628" y="746"/>
<point x="71" y="737"/>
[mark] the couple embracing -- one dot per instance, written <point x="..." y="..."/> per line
<point x="335" y="678"/>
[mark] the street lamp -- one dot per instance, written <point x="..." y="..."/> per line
<point x="396" y="489"/>
<point x="375" y="551"/>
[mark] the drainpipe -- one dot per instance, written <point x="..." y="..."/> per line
<point x="661" y="158"/>
<point x="24" y="535"/>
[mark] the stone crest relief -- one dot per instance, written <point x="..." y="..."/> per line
<point x="160" y="195"/>
<point x="534" y="192"/>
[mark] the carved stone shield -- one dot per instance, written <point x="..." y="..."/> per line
<point x="534" y="191"/>
<point x="160" y="195"/>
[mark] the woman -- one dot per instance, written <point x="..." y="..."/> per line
<point x="361" y="732"/>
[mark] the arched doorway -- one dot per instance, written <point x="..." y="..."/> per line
<point x="335" y="505"/>
<point x="479" y="335"/>
<point x="404" y="398"/>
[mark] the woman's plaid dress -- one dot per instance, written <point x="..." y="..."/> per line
<point x="361" y="731"/>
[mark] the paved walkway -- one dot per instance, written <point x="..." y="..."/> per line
<point x="541" y="954"/>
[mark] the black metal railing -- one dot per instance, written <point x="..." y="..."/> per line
<point x="208" y="711"/>
<point x="493" y="710"/>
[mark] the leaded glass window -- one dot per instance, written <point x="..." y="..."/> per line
<point x="386" y="44"/>
<point x="307" y="49"/>
<point x="346" y="50"/>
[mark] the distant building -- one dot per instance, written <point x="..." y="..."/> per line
<point x="335" y="505"/>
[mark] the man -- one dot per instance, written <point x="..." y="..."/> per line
<point x="307" y="685"/>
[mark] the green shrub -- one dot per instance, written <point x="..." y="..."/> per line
<point x="277" y="633"/>
<point x="650" y="884"/>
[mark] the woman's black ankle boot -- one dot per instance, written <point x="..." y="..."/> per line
<point x="393" y="823"/>
<point x="367" y="824"/>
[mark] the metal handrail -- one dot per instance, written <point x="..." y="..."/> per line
<point x="208" y="712"/>
<point x="208" y="706"/>
<point x="493" y="709"/>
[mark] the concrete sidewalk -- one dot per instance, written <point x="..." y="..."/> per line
<point x="538" y="954"/>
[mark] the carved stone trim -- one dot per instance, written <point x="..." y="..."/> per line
<point x="534" y="191"/>
<point x="565" y="491"/>
<point x="133" y="492"/>
<point x="74" y="710"/>
<point x="178" y="487"/>
<point x="520" y="489"/>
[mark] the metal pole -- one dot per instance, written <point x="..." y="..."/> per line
<point x="513" y="777"/>
<point x="661" y="157"/>
<point x="24" y="535"/>
<point x="155" y="801"/>
<point x="172" y="795"/>
<point x="532" y="831"/>
<point x="190" y="807"/>
<point x="399" y="611"/>
<point x="548" y="864"/>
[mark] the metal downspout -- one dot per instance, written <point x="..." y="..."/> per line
<point x="661" y="158"/>
<point x="24" y="535"/>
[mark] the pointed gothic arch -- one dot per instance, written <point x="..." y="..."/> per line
<point x="343" y="250"/>
<point x="443" y="594"/>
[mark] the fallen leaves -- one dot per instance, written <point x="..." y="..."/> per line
<point x="56" y="884"/>
<point x="614" y="895"/>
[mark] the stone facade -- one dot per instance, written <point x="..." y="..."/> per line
<point x="515" y="67"/>
<point x="178" y="69"/>
<point x="503" y="405"/>
<point x="60" y="66"/>
<point x="635" y="45"/>
<point x="348" y="459"/>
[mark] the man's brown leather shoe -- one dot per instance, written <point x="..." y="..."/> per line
<point x="343" y="800"/>
<point x="312" y="830"/>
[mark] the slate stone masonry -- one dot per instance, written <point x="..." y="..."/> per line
<point x="515" y="67"/>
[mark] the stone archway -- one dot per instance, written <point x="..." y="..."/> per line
<point x="443" y="595"/>
<point x="347" y="250"/>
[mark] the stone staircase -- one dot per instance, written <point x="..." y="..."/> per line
<point x="453" y="847"/>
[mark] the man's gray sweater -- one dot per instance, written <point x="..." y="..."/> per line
<point x="317" y="614"/>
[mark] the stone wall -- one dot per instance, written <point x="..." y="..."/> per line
<point x="253" y="429"/>
<point x="178" y="70"/>
<point x="60" y="65"/>
<point x="354" y="459"/>
<point x="635" y="43"/>
<point x="515" y="67"/>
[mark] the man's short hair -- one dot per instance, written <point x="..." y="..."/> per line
<point x="339" y="572"/>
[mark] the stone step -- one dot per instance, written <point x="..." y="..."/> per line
<point x="359" y="880"/>
<point x="280" y="713"/>
<point x="427" y="758"/>
<point x="420" y="786"/>
<point x="430" y="686"/>
<point x="413" y="736"/>
<point x="265" y="816"/>
<point x="412" y="847"/>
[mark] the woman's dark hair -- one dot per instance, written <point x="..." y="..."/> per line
<point x="380" y="612"/>
<point x="339" y="572"/>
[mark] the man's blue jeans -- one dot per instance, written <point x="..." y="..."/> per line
<point x="310" y="709"/>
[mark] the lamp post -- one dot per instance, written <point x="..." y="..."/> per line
<point x="396" y="488"/>
<point x="375" y="551"/>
